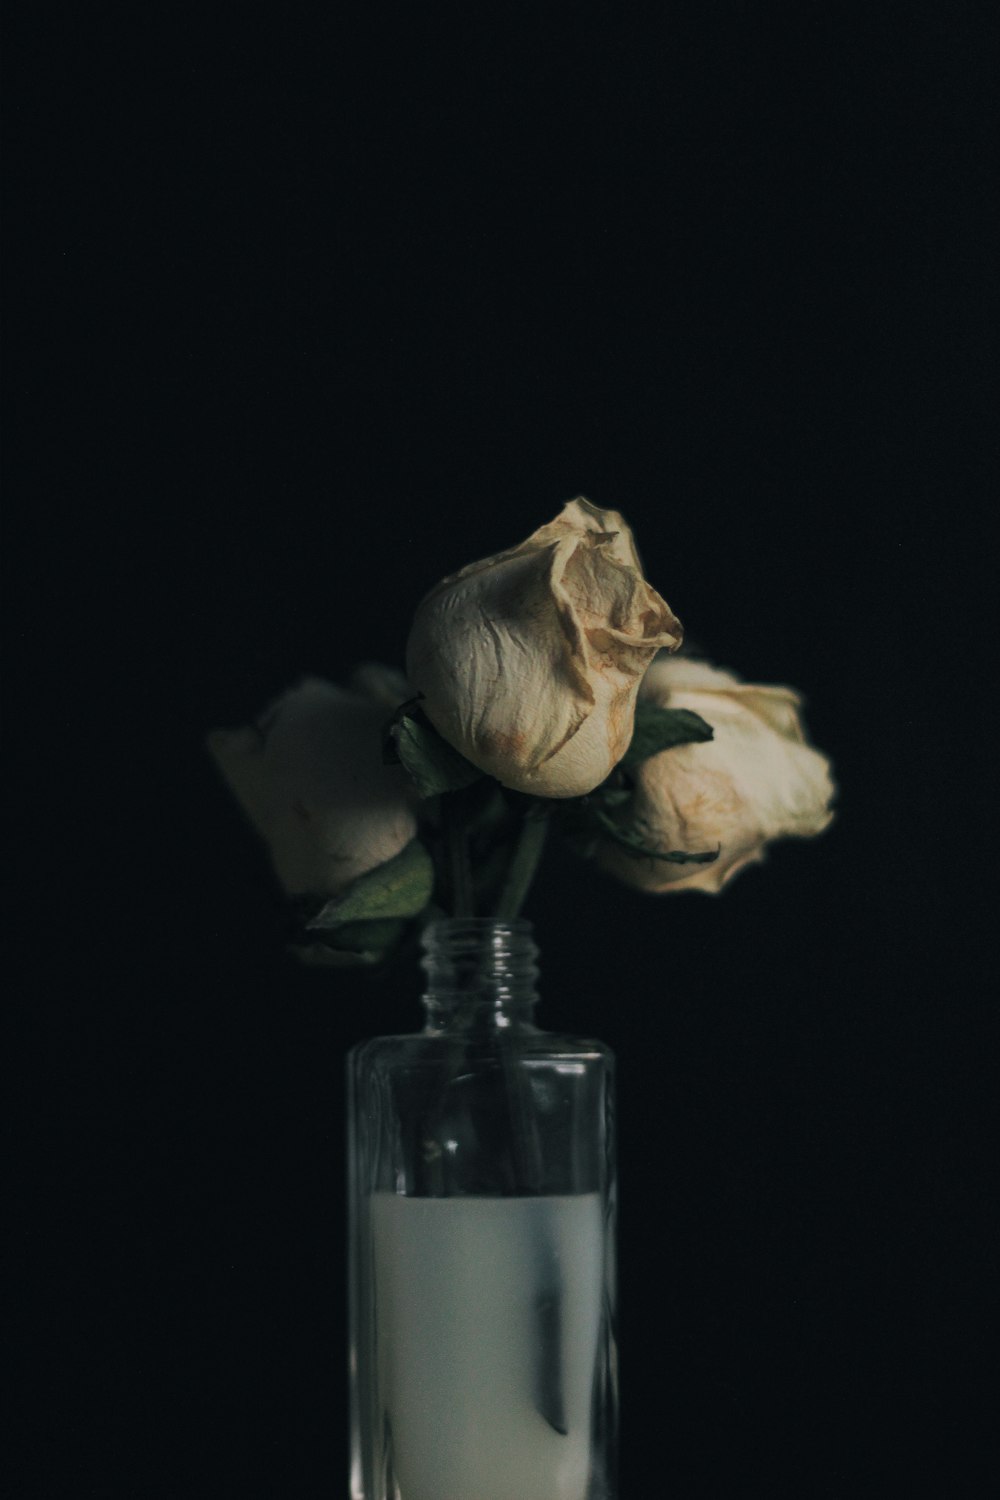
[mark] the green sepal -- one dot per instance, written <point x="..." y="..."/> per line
<point x="659" y="729"/>
<point x="399" y="888"/>
<point x="434" y="764"/>
<point x="631" y="839"/>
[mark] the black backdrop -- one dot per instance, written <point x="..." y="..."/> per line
<point x="307" y="311"/>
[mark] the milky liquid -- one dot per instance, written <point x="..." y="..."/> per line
<point x="457" y="1284"/>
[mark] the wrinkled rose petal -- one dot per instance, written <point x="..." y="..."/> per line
<point x="310" y="777"/>
<point x="530" y="661"/>
<point x="756" y="780"/>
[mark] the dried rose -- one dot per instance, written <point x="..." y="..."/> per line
<point x="309" y="775"/>
<point x="529" y="662"/>
<point x="757" y="779"/>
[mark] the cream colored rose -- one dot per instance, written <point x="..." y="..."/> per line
<point x="754" y="781"/>
<point x="310" y="777"/>
<point x="529" y="662"/>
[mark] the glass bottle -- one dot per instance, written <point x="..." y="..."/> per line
<point x="482" y="1236"/>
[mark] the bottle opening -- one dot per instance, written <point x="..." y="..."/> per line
<point x="479" y="960"/>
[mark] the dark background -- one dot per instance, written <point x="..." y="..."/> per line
<point x="304" y="312"/>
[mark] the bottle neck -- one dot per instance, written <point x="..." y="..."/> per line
<point x="480" y="975"/>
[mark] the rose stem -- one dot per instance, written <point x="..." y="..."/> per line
<point x="458" y="855"/>
<point x="549" y="1395"/>
<point x="527" y="853"/>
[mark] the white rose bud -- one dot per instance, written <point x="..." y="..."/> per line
<point x="754" y="781"/>
<point x="310" y="777"/>
<point x="530" y="662"/>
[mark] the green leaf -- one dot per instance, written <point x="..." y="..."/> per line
<point x="434" y="765"/>
<point x="368" y="937"/>
<point x="399" y="888"/>
<point x="630" y="838"/>
<point x="354" y="945"/>
<point x="659" y="729"/>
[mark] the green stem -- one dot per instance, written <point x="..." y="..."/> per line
<point x="460" y="870"/>
<point x="524" y="863"/>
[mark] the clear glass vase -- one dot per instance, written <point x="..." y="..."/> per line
<point x="482" y="1238"/>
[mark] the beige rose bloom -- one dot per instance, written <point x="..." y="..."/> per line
<point x="756" y="780"/>
<point x="310" y="777"/>
<point x="530" y="661"/>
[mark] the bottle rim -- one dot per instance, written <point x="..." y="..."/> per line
<point x="476" y="927"/>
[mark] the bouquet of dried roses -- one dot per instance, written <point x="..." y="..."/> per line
<point x="541" y="691"/>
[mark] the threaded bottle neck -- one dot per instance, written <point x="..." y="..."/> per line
<point x="480" y="974"/>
